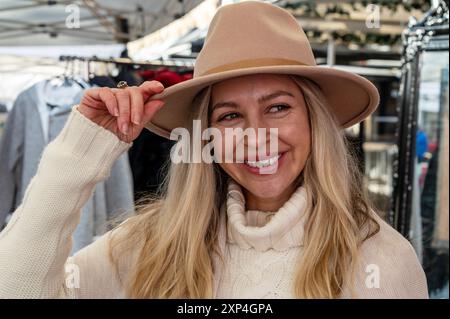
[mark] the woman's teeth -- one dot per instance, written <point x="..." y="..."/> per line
<point x="263" y="163"/>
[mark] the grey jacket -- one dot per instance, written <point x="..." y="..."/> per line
<point x="21" y="147"/>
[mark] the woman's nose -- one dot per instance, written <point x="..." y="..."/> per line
<point x="255" y="121"/>
<point x="262" y="134"/>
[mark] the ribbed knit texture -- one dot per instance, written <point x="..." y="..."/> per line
<point x="262" y="246"/>
<point x="279" y="230"/>
<point x="261" y="249"/>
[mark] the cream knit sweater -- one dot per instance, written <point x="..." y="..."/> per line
<point x="261" y="248"/>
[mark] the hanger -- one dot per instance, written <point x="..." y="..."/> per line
<point x="60" y="89"/>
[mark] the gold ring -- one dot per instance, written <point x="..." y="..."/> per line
<point x="122" y="84"/>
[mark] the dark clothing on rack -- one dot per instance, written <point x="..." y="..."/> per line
<point x="102" y="81"/>
<point x="130" y="76"/>
<point x="165" y="76"/>
<point x="148" y="156"/>
<point x="150" y="153"/>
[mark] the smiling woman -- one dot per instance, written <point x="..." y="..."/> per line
<point x="220" y="229"/>
<point x="265" y="101"/>
<point x="307" y="230"/>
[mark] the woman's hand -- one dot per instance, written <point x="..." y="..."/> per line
<point x="122" y="111"/>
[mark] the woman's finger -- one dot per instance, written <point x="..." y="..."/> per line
<point x="150" y="108"/>
<point x="91" y="98"/>
<point x="123" y="121"/>
<point x="149" y="88"/>
<point x="137" y="105"/>
<point x="98" y="98"/>
<point x="109" y="99"/>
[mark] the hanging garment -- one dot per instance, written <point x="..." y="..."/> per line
<point x="102" y="80"/>
<point x="150" y="153"/>
<point x="127" y="74"/>
<point x="148" y="156"/>
<point x="30" y="126"/>
<point x="165" y="76"/>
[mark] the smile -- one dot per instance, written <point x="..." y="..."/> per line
<point x="265" y="166"/>
<point x="263" y="163"/>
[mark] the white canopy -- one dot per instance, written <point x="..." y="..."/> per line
<point x="54" y="22"/>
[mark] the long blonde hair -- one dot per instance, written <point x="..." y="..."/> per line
<point x="176" y="231"/>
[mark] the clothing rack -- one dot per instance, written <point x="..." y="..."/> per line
<point x="187" y="65"/>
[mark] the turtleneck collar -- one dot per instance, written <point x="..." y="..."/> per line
<point x="260" y="230"/>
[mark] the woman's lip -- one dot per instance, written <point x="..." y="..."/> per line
<point x="265" y="170"/>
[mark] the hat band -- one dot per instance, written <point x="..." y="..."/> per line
<point x="251" y="63"/>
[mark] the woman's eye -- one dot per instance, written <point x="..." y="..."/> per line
<point x="278" y="108"/>
<point x="228" y="117"/>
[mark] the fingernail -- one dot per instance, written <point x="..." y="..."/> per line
<point x="137" y="120"/>
<point x="116" y="112"/>
<point x="125" y="128"/>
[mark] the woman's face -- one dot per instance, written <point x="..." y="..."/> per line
<point x="264" y="101"/>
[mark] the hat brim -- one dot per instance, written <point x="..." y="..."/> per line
<point x="350" y="96"/>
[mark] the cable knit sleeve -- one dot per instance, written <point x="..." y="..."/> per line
<point x="35" y="245"/>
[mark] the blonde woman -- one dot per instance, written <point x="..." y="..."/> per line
<point x="223" y="229"/>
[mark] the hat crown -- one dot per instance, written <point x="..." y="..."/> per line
<point x="252" y="33"/>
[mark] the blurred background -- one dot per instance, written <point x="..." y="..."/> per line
<point x="50" y="51"/>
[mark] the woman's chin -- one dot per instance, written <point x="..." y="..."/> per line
<point x="266" y="189"/>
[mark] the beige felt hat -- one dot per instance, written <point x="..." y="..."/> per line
<point x="256" y="37"/>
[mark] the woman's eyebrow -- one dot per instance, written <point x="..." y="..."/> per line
<point x="223" y="104"/>
<point x="273" y="95"/>
<point x="261" y="99"/>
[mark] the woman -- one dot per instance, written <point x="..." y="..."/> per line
<point x="305" y="229"/>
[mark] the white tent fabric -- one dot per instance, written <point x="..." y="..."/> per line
<point x="177" y="36"/>
<point x="43" y="22"/>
